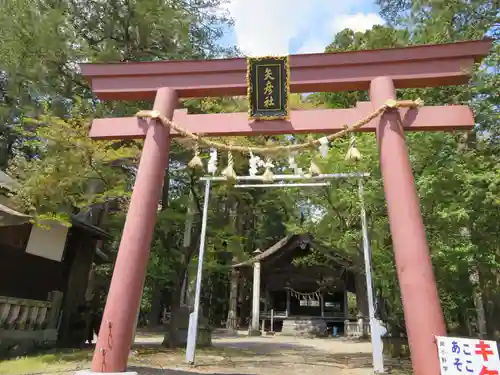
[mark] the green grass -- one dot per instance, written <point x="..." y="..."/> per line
<point x="48" y="361"/>
<point x="62" y="360"/>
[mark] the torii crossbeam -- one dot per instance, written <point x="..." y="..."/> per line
<point x="380" y="71"/>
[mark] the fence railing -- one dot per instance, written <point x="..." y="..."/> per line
<point x="276" y="314"/>
<point x="283" y="314"/>
<point x="357" y="329"/>
<point x="29" y="320"/>
<point x="334" y="314"/>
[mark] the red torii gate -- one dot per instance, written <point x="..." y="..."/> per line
<point x="380" y="71"/>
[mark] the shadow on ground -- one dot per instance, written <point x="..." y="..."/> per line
<point x="242" y="347"/>
<point x="269" y="354"/>
<point x="145" y="370"/>
<point x="264" y="346"/>
<point x="250" y="356"/>
<point x="243" y="354"/>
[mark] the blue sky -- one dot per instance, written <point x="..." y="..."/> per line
<point x="295" y="26"/>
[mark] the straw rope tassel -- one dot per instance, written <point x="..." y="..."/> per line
<point x="196" y="162"/>
<point x="268" y="175"/>
<point x="353" y="153"/>
<point x="313" y="167"/>
<point x="314" y="170"/>
<point x="229" y="172"/>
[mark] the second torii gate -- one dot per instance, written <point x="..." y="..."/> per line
<point x="380" y="71"/>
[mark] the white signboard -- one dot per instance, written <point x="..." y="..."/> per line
<point x="468" y="356"/>
<point x="48" y="241"/>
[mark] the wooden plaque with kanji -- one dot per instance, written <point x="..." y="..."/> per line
<point x="268" y="88"/>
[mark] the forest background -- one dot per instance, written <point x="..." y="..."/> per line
<point x="46" y="108"/>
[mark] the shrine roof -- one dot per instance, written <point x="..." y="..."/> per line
<point x="273" y="249"/>
<point x="286" y="243"/>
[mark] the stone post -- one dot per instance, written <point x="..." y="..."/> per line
<point x="287" y="302"/>
<point x="361" y="325"/>
<point x="346" y="304"/>
<point x="266" y="302"/>
<point x="254" y="328"/>
<point x="56" y="298"/>
<point x="272" y="321"/>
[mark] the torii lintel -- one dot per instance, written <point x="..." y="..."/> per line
<point x="414" y="66"/>
<point x="436" y="118"/>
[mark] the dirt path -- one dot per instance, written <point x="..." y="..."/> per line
<point x="300" y="356"/>
<point x="242" y="355"/>
<point x="278" y="355"/>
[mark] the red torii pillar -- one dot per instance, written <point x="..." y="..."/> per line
<point x="411" y="252"/>
<point x="380" y="70"/>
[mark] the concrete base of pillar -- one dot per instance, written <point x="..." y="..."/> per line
<point x="88" y="372"/>
<point x="270" y="333"/>
<point x="254" y="332"/>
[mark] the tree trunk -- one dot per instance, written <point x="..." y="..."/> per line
<point x="232" y="315"/>
<point x="184" y="290"/>
<point x="232" y="311"/>
<point x="478" y="301"/>
<point x="165" y="190"/>
<point x="154" y="314"/>
<point x="190" y="292"/>
<point x="361" y="294"/>
<point x="174" y="322"/>
<point x="179" y="315"/>
<point x="464" y="328"/>
<point x="244" y="297"/>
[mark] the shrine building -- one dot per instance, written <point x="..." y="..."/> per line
<point x="300" y="296"/>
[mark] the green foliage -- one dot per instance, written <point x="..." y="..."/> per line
<point x="68" y="170"/>
<point x="41" y="43"/>
<point x="436" y="21"/>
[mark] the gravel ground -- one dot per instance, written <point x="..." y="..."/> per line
<point x="269" y="355"/>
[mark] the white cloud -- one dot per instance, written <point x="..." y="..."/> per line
<point x="356" y="22"/>
<point x="260" y="32"/>
<point x="312" y="45"/>
<point x="266" y="27"/>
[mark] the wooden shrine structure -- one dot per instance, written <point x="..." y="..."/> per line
<point x="379" y="71"/>
<point x="44" y="274"/>
<point x="303" y="298"/>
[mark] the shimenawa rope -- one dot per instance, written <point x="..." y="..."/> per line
<point x="389" y="104"/>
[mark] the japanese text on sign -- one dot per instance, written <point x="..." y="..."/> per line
<point x="268" y="88"/>
<point x="467" y="356"/>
